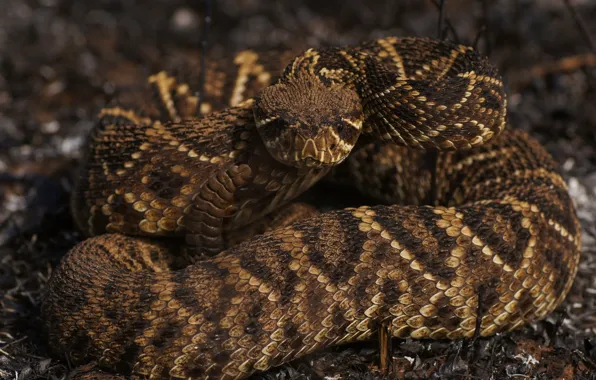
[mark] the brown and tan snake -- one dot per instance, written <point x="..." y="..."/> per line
<point x="166" y="291"/>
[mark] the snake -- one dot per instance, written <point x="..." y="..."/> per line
<point x="200" y="265"/>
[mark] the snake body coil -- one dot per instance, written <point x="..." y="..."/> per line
<point x="499" y="246"/>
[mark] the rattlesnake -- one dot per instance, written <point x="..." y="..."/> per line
<point x="500" y="241"/>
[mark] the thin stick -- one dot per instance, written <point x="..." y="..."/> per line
<point x="486" y="29"/>
<point x="565" y="64"/>
<point x="583" y="29"/>
<point x="385" y="347"/>
<point x="478" y="36"/>
<point x="432" y="162"/>
<point x="441" y="19"/>
<point x="479" y="312"/>
<point x="579" y="21"/>
<point x="204" y="44"/>
<point x="443" y="31"/>
<point x="433" y="156"/>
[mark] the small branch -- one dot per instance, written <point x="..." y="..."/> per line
<point x="441" y="19"/>
<point x="433" y="194"/>
<point x="432" y="157"/>
<point x="581" y="25"/>
<point x="385" y="347"/>
<point x="204" y="45"/>
<point x="563" y="65"/>
<point x="442" y="31"/>
<point x="479" y="35"/>
<point x="486" y="29"/>
<point x="479" y="312"/>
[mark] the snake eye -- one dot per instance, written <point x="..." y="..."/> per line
<point x="332" y="146"/>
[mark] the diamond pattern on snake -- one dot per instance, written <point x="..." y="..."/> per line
<point x="198" y="265"/>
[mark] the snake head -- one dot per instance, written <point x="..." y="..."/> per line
<point x="304" y="123"/>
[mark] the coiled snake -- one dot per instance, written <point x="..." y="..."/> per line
<point x="499" y="243"/>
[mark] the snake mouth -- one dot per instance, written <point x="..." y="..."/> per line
<point x="324" y="150"/>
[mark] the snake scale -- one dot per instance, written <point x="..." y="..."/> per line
<point x="203" y="268"/>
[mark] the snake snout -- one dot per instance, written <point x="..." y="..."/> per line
<point x="306" y="124"/>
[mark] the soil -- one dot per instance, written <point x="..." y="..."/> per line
<point x="61" y="60"/>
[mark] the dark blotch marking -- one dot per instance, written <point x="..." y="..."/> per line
<point x="110" y="289"/>
<point x="433" y="260"/>
<point x="416" y="289"/>
<point x="166" y="193"/>
<point x="290" y="279"/>
<point x="195" y="372"/>
<point x="492" y="101"/>
<point x="526" y="303"/>
<point x="184" y="293"/>
<point x="154" y="254"/>
<point x="80" y="339"/>
<point x="221" y="357"/>
<point x="446" y="317"/>
<point x="367" y="278"/>
<point x="249" y="261"/>
<point x="112" y="314"/>
<point x="457" y="179"/>
<point x="321" y="248"/>
<point x="510" y="252"/>
<point x="487" y="295"/>
<point x="181" y="293"/>
<point x="128" y="358"/>
<point x="253" y="325"/>
<point x="177" y="183"/>
<point x="291" y="331"/>
<point x="164" y="335"/>
<point x="391" y="291"/>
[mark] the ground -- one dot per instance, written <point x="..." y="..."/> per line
<point x="60" y="61"/>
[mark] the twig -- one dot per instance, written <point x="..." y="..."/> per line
<point x="478" y="36"/>
<point x="479" y="313"/>
<point x="385" y="347"/>
<point x="441" y="19"/>
<point x="3" y="352"/>
<point x="579" y="21"/>
<point x="432" y="164"/>
<point x="433" y="156"/>
<point x="583" y="29"/>
<point x="563" y="65"/>
<point x="486" y="29"/>
<point x="6" y="354"/>
<point x="443" y="31"/>
<point x="204" y="44"/>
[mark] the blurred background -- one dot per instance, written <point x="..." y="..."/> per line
<point x="62" y="60"/>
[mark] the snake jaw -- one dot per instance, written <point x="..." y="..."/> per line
<point x="323" y="150"/>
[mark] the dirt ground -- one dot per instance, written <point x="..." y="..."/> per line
<point x="60" y="61"/>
